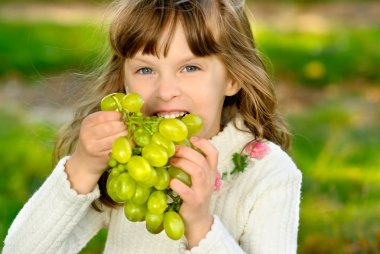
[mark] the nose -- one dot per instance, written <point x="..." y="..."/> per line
<point x="168" y="87"/>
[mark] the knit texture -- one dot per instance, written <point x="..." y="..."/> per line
<point x="256" y="211"/>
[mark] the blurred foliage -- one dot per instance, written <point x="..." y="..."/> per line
<point x="338" y="154"/>
<point x="323" y="59"/>
<point x="39" y="49"/>
<point x="25" y="156"/>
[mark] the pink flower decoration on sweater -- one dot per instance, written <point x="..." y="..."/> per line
<point x="256" y="149"/>
<point x="218" y="181"/>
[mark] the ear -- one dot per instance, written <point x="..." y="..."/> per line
<point x="232" y="88"/>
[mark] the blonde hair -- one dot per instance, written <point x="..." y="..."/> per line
<point x="212" y="27"/>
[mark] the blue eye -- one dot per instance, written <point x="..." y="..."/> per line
<point x="144" y="71"/>
<point x="191" y="68"/>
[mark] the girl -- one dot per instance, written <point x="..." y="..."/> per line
<point x="183" y="57"/>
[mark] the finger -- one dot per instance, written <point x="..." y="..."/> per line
<point x="101" y="117"/>
<point x="105" y="144"/>
<point x="189" y="154"/>
<point x="107" y="129"/>
<point x="184" y="191"/>
<point x="208" y="149"/>
<point x="200" y="176"/>
<point x="94" y="146"/>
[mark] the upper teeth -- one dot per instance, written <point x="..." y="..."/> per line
<point x="171" y="115"/>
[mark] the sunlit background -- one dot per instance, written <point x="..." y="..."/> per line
<point x="324" y="58"/>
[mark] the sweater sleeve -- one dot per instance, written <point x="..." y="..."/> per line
<point x="56" y="219"/>
<point x="272" y="224"/>
<point x="218" y="240"/>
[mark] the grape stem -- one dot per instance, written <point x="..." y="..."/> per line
<point x="134" y="121"/>
<point x="177" y="201"/>
<point x="119" y="107"/>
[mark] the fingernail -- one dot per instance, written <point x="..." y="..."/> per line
<point x="194" y="138"/>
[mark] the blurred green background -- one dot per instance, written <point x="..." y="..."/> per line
<point x="323" y="56"/>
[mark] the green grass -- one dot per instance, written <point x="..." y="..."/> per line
<point x="35" y="50"/>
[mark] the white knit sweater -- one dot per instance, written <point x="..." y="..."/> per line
<point x="256" y="211"/>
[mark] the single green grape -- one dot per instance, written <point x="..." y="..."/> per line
<point x="154" y="222"/>
<point x="121" y="167"/>
<point x="173" y="129"/>
<point x="194" y="124"/>
<point x="152" y="180"/>
<point x="132" y="102"/>
<point x="142" y="137"/>
<point x="141" y="194"/>
<point x="139" y="168"/>
<point x="112" y="162"/>
<point x="179" y="174"/>
<point x="134" y="212"/>
<point x="163" y="179"/>
<point x="158" y="139"/>
<point x="111" y="102"/>
<point x="121" y="150"/>
<point x="156" y="155"/>
<point x="112" y="186"/>
<point x="125" y="187"/>
<point x="157" y="202"/>
<point x="173" y="225"/>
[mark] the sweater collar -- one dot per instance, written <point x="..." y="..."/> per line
<point x="229" y="141"/>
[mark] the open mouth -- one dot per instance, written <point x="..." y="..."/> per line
<point x="172" y="114"/>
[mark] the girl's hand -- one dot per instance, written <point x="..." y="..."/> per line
<point x="89" y="160"/>
<point x="196" y="199"/>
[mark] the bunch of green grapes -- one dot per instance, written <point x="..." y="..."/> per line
<point x="139" y="169"/>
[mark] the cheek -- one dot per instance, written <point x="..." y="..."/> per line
<point x="144" y="93"/>
<point x="140" y="90"/>
<point x="211" y="121"/>
<point x="209" y="130"/>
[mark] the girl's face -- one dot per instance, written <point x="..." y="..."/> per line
<point x="180" y="83"/>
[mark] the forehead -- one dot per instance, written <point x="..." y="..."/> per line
<point x="152" y="30"/>
<point x="171" y="43"/>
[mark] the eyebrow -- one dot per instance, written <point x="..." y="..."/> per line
<point x="139" y="60"/>
<point x="148" y="61"/>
